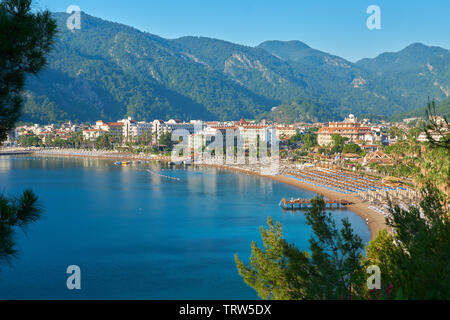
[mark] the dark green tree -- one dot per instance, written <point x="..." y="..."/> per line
<point x="338" y="143"/>
<point x="309" y="140"/>
<point x="165" y="140"/>
<point x="29" y="140"/>
<point x="415" y="259"/>
<point x="25" y="39"/>
<point x="107" y="141"/>
<point x="352" y="148"/>
<point x="331" y="270"/>
<point x="295" y="138"/>
<point x="16" y="213"/>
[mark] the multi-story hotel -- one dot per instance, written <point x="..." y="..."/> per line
<point x="350" y="129"/>
<point x="115" y="128"/>
<point x="159" y="128"/>
<point x="92" y="134"/>
<point x="286" y="132"/>
<point x="133" y="128"/>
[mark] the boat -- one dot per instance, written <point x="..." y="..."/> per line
<point x="123" y="163"/>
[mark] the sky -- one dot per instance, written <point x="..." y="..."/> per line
<point x="334" y="26"/>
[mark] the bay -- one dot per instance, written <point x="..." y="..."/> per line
<point x="136" y="235"/>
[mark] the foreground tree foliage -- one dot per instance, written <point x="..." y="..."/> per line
<point x="16" y="213"/>
<point x="415" y="260"/>
<point x="25" y="39"/>
<point x="435" y="127"/>
<point x="332" y="269"/>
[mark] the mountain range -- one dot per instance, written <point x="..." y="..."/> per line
<point x="108" y="70"/>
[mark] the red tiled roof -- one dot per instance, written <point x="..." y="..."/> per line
<point x="225" y="128"/>
<point x="242" y="122"/>
<point x="255" y="127"/>
<point x="344" y="130"/>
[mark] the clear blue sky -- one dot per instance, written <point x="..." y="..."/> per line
<point x="334" y="26"/>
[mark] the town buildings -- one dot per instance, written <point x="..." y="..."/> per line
<point x="249" y="134"/>
<point x="350" y="128"/>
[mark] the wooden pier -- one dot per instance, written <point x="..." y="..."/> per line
<point x="298" y="204"/>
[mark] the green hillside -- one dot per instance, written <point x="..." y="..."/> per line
<point x="107" y="71"/>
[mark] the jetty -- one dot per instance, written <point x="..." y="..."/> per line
<point x="163" y="176"/>
<point x="298" y="204"/>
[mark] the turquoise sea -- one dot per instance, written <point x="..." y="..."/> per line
<point x="136" y="235"/>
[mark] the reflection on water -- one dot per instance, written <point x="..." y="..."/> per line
<point x="140" y="236"/>
<point x="5" y="165"/>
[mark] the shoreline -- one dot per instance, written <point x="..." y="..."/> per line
<point x="376" y="221"/>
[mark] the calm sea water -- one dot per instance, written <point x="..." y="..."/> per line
<point x="139" y="236"/>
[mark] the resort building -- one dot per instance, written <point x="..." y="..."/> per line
<point x="179" y="125"/>
<point x="251" y="134"/>
<point x="92" y="134"/>
<point x="129" y="128"/>
<point x="132" y="128"/>
<point x="213" y="133"/>
<point x="350" y="129"/>
<point x="286" y="132"/>
<point x="196" y="142"/>
<point x="378" y="157"/>
<point x="143" y="128"/>
<point x="115" y="128"/>
<point x="159" y="128"/>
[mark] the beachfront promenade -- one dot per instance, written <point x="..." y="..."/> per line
<point x="15" y="151"/>
<point x="100" y="154"/>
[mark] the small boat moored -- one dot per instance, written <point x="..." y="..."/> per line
<point x="123" y="163"/>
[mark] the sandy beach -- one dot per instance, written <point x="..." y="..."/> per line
<point x="376" y="221"/>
